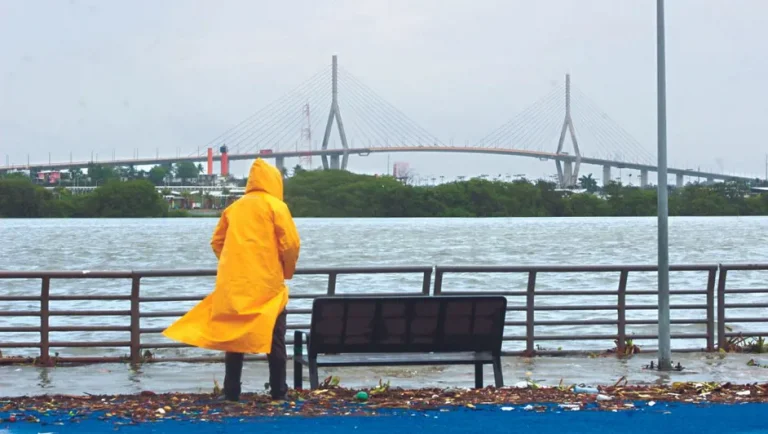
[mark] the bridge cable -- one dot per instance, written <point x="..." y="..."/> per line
<point x="382" y="123"/>
<point x="511" y="132"/>
<point x="268" y="107"/>
<point x="513" y="124"/>
<point x="289" y="124"/>
<point x="613" y="125"/>
<point x="237" y="137"/>
<point x="393" y="121"/>
<point x="397" y="112"/>
<point x="289" y="111"/>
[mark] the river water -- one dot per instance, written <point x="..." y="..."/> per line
<point x="183" y="244"/>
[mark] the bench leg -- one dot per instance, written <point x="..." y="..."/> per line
<point x="478" y="375"/>
<point x="298" y="374"/>
<point x="298" y="368"/>
<point x="498" y="375"/>
<point x="314" y="383"/>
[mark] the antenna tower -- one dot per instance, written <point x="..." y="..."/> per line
<point x="306" y="135"/>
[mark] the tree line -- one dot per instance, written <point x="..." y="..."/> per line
<point x="20" y="197"/>
<point x="336" y="193"/>
<point x="344" y="194"/>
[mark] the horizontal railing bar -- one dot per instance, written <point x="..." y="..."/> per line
<point x="19" y="313"/>
<point x="748" y="319"/>
<point x="65" y="329"/>
<point x="671" y="292"/>
<point x="94" y="344"/>
<point x="746" y="334"/>
<point x="366" y="270"/>
<point x="745" y="305"/>
<point x="19" y="329"/>
<point x="20" y="298"/>
<point x="481" y="292"/>
<point x="171" y="299"/>
<point x="89" y="297"/>
<point x="573" y="292"/>
<point x="567" y="268"/>
<point x="89" y="313"/>
<point x="614" y="337"/>
<point x="671" y="306"/>
<point x="66" y="274"/>
<point x="574" y="323"/>
<point x="744" y="267"/>
<point x="747" y="291"/>
<point x="674" y="321"/>
<point x="86" y="274"/>
<point x="161" y="345"/>
<point x="19" y="345"/>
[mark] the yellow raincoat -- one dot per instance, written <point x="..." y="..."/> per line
<point x="257" y="245"/>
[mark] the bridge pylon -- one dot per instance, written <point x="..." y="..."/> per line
<point x="568" y="176"/>
<point x="335" y="113"/>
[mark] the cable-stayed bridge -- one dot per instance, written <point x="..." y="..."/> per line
<point x="564" y="126"/>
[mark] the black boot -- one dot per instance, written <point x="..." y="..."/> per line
<point x="233" y="370"/>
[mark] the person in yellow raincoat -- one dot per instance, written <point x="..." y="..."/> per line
<point x="257" y="245"/>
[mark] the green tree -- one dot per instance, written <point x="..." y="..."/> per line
<point x="137" y="198"/>
<point x="20" y="197"/>
<point x="187" y="170"/>
<point x="157" y="175"/>
<point x="588" y="183"/>
<point x="100" y="174"/>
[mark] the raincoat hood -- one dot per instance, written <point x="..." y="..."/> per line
<point x="265" y="177"/>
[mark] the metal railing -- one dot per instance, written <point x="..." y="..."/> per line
<point x="530" y="301"/>
<point x="723" y="305"/>
<point x="135" y="313"/>
<point x="530" y="306"/>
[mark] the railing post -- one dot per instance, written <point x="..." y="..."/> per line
<point x="711" y="309"/>
<point x="438" y="281"/>
<point x="45" y="315"/>
<point x="721" y="338"/>
<point x="135" y="319"/>
<point x="426" y="283"/>
<point x="529" y="314"/>
<point x="622" y="313"/>
<point x="331" y="283"/>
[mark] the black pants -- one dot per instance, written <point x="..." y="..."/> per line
<point x="277" y="358"/>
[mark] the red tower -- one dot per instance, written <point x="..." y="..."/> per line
<point x="210" y="161"/>
<point x="224" y="160"/>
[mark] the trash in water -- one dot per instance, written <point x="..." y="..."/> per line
<point x="585" y="389"/>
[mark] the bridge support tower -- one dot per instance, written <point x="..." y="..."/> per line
<point x="710" y="180"/>
<point x="643" y="178"/>
<point x="335" y="114"/>
<point x="280" y="164"/>
<point x="570" y="176"/>
<point x="606" y="175"/>
<point x="679" y="181"/>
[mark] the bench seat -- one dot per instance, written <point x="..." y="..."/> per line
<point x="402" y="331"/>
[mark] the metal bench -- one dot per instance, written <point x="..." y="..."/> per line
<point x="402" y="331"/>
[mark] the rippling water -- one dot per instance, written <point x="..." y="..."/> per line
<point x="183" y="243"/>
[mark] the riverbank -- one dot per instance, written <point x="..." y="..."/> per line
<point x="195" y="378"/>
<point x="149" y="406"/>
<point x="343" y="194"/>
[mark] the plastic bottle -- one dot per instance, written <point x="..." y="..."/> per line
<point x="585" y="389"/>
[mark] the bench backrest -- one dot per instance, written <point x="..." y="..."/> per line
<point x="407" y="324"/>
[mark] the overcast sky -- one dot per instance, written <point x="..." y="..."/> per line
<point x="114" y="76"/>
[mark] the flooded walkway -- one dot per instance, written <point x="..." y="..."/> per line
<point x="194" y="378"/>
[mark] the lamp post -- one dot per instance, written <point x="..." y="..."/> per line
<point x="665" y="351"/>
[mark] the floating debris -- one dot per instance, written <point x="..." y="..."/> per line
<point x="151" y="407"/>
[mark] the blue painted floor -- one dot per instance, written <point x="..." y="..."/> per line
<point x="674" y="418"/>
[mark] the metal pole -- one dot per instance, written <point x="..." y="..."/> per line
<point x="665" y="351"/>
